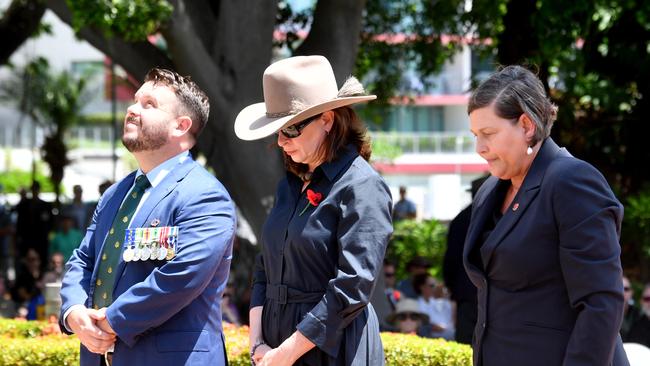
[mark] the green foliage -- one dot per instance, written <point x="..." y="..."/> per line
<point x="412" y="238"/>
<point x="15" y="179"/>
<point x="410" y="350"/>
<point x="54" y="100"/>
<point x="25" y="343"/>
<point x="637" y="220"/>
<point x="133" y="20"/>
<point x="402" y="38"/>
<point x="45" y="351"/>
<point x="384" y="151"/>
<point x="97" y="119"/>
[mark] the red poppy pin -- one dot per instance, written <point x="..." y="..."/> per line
<point x="314" y="199"/>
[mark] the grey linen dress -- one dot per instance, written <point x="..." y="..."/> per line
<point x="319" y="264"/>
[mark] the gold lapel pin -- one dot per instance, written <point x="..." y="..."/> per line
<point x="515" y="207"/>
<point x="155" y="222"/>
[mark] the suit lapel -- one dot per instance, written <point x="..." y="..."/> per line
<point x="155" y="197"/>
<point x="522" y="201"/>
<point x="483" y="206"/>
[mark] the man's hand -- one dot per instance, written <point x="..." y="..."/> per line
<point x="100" y="318"/>
<point x="82" y="322"/>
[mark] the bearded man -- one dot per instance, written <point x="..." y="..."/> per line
<point x="146" y="283"/>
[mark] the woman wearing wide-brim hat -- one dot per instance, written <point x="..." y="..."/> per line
<point x="408" y="317"/>
<point x="324" y="241"/>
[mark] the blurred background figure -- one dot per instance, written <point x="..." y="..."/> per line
<point x="432" y="301"/>
<point x="7" y="305"/>
<point x="409" y="319"/>
<point x="6" y="233"/>
<point x="78" y="210"/>
<point x="416" y="266"/>
<point x="27" y="291"/>
<point x="404" y="208"/>
<point x="463" y="291"/>
<point x="392" y="294"/>
<point x="55" y="269"/>
<point x="33" y="224"/>
<point x="229" y="312"/>
<point x="631" y="313"/>
<point x="67" y="237"/>
<point x="640" y="330"/>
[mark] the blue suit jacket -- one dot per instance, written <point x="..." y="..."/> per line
<point x="549" y="282"/>
<point x="165" y="312"/>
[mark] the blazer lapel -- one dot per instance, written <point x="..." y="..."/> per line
<point x="483" y="206"/>
<point x="155" y="197"/>
<point x="522" y="200"/>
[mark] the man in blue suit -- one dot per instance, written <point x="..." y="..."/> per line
<point x="145" y="285"/>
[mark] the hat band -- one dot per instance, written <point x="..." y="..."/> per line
<point x="278" y="115"/>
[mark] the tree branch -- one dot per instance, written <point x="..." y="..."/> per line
<point x="135" y="57"/>
<point x="335" y="34"/>
<point x="19" y="22"/>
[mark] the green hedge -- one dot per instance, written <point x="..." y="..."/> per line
<point x="28" y="343"/>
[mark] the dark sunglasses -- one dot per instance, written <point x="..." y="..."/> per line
<point x="626" y="289"/>
<point x="646" y="298"/>
<point x="295" y="130"/>
<point x="404" y="316"/>
<point x="389" y="274"/>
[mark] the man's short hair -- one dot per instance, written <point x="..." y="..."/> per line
<point x="194" y="102"/>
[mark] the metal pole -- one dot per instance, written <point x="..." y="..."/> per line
<point x="114" y="119"/>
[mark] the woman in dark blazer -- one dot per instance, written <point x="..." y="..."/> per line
<point x="542" y="247"/>
<point x="324" y="241"/>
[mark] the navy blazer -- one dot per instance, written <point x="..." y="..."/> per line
<point x="549" y="285"/>
<point x="165" y="312"/>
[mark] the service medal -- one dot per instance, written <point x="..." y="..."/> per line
<point x="162" y="253"/>
<point x="127" y="255"/>
<point x="136" y="254"/>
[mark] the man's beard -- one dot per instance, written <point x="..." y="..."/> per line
<point x="150" y="138"/>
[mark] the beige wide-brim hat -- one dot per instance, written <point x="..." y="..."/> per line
<point x="295" y="89"/>
<point x="407" y="306"/>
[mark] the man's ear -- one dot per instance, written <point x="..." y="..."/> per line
<point x="183" y="125"/>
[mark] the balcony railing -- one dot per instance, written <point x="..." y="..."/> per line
<point x="27" y="136"/>
<point x="101" y="137"/>
<point x="428" y="142"/>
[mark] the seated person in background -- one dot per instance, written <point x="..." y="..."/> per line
<point x="409" y="319"/>
<point x="439" y="309"/>
<point x="416" y="266"/>
<point x="7" y="305"/>
<point x="391" y="292"/>
<point x="640" y="330"/>
<point x="67" y="238"/>
<point x="55" y="270"/>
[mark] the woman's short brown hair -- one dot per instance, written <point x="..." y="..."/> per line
<point x="513" y="91"/>
<point x="346" y="129"/>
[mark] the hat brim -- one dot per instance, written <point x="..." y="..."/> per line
<point x="392" y="318"/>
<point x="253" y="124"/>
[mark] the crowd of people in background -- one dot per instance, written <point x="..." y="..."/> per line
<point x="36" y="241"/>
<point x="37" y="238"/>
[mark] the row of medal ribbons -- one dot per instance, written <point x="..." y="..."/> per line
<point x="150" y="243"/>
